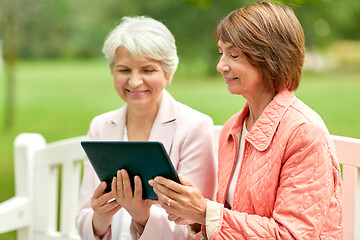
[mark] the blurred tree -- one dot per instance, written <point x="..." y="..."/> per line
<point x="12" y="13"/>
<point x="77" y="29"/>
<point x="327" y="21"/>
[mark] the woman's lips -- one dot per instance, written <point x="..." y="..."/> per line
<point x="137" y="93"/>
<point x="229" y="80"/>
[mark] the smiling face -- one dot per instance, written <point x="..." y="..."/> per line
<point x="242" y="78"/>
<point x="139" y="82"/>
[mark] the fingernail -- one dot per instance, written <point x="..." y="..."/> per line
<point x="151" y="182"/>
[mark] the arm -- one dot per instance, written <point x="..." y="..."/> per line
<point x="91" y="224"/>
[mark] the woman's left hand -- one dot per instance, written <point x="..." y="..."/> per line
<point x="184" y="203"/>
<point x="138" y="208"/>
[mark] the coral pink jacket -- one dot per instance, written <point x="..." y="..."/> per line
<point x="289" y="186"/>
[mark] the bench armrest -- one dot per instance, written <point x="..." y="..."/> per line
<point x="14" y="214"/>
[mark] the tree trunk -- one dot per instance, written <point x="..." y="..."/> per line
<point x="10" y="59"/>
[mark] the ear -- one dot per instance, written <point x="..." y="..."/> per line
<point x="169" y="79"/>
<point x="111" y="68"/>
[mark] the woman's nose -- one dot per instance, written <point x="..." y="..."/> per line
<point x="135" y="80"/>
<point x="222" y="66"/>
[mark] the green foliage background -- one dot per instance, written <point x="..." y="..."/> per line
<point x="73" y="29"/>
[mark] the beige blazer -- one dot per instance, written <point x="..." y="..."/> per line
<point x="187" y="136"/>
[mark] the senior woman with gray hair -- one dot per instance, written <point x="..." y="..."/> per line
<point x="143" y="59"/>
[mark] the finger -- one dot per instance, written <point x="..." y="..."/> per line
<point x="170" y="184"/>
<point x="164" y="200"/>
<point x="114" y="210"/>
<point x="114" y="187"/>
<point x="152" y="201"/>
<point x="99" y="196"/>
<point x="101" y="206"/>
<point x="185" y="181"/>
<point x="128" y="193"/>
<point x="181" y="221"/>
<point x="99" y="190"/>
<point x="137" y="188"/>
<point x="161" y="198"/>
<point x="119" y="185"/>
<point x="151" y="182"/>
<point x="163" y="192"/>
<point x="172" y="217"/>
<point x="110" y="207"/>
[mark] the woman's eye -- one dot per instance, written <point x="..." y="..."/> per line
<point x="123" y="70"/>
<point x="149" y="70"/>
<point x="234" y="56"/>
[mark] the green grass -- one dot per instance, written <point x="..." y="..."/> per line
<point x="59" y="98"/>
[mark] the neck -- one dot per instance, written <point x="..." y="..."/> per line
<point x="256" y="108"/>
<point x="139" y="123"/>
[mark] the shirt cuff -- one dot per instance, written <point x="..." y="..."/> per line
<point x="213" y="216"/>
<point x="136" y="229"/>
<point x="195" y="232"/>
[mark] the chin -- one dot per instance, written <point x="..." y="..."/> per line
<point x="233" y="91"/>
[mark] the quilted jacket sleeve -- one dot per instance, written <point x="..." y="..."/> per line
<point x="307" y="182"/>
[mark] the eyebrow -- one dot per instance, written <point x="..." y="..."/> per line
<point x="229" y="47"/>
<point x="145" y="66"/>
<point x="149" y="65"/>
<point x="120" y="65"/>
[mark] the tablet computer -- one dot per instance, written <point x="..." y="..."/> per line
<point x="144" y="159"/>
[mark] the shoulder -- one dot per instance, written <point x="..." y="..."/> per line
<point x="301" y="115"/>
<point x="192" y="122"/>
<point x="106" y="117"/>
<point x="302" y="127"/>
<point x="105" y="121"/>
<point x="184" y="114"/>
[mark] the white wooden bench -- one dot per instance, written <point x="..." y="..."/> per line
<point x="48" y="176"/>
<point x="47" y="186"/>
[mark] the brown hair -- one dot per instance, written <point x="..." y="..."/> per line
<point x="271" y="37"/>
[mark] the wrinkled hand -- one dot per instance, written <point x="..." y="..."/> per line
<point x="184" y="203"/>
<point x="104" y="209"/>
<point x="138" y="208"/>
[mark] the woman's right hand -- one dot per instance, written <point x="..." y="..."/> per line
<point x="104" y="208"/>
<point x="183" y="202"/>
<point x="130" y="199"/>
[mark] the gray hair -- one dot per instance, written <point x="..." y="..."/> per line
<point x="143" y="37"/>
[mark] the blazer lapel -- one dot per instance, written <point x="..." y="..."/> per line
<point x="116" y="125"/>
<point x="164" y="126"/>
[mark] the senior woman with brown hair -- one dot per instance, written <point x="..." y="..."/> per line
<point x="278" y="176"/>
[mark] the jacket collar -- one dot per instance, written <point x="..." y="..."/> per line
<point x="264" y="128"/>
<point x="164" y="126"/>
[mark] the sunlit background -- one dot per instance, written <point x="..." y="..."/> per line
<point x="54" y="79"/>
